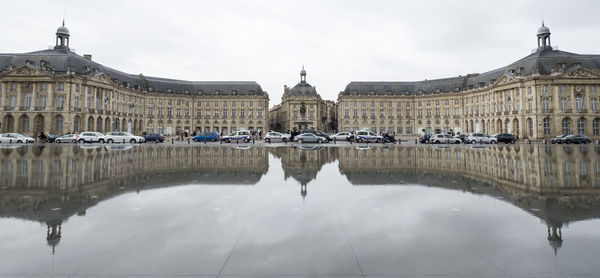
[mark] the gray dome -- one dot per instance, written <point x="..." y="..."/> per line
<point x="62" y="30"/>
<point x="543" y="30"/>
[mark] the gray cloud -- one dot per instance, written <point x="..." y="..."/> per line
<point x="269" y="41"/>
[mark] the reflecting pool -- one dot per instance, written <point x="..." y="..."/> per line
<point x="494" y="211"/>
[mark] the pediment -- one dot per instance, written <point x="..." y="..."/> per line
<point x="26" y="70"/>
<point x="103" y="78"/>
<point x="580" y="72"/>
<point x="505" y="79"/>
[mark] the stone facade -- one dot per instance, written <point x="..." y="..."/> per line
<point x="545" y="94"/>
<point x="58" y="91"/>
<point x="302" y="108"/>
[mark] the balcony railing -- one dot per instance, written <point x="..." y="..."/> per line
<point x="92" y="111"/>
<point x="37" y="108"/>
<point x="582" y="111"/>
<point x="23" y="108"/>
<point x="76" y="109"/>
<point x="547" y="110"/>
<point x="59" y="108"/>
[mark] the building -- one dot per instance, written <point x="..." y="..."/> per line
<point x="58" y="91"/>
<point x="303" y="108"/>
<point x="544" y="94"/>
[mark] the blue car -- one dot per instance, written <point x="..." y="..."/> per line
<point x="206" y="136"/>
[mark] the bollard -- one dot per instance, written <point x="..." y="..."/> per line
<point x="415" y="141"/>
<point x="172" y="141"/>
<point x="270" y="142"/>
<point x="204" y="142"/>
<point x="252" y="140"/>
<point x="237" y="140"/>
<point x="529" y="141"/>
<point x="286" y="141"/>
<point x="188" y="141"/>
<point x="156" y="142"/>
<point x="123" y="141"/>
<point x="334" y="140"/>
<point x="399" y="141"/>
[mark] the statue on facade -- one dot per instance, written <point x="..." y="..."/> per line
<point x="303" y="110"/>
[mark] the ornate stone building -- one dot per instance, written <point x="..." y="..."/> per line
<point x="59" y="91"/>
<point x="546" y="93"/>
<point x="302" y="108"/>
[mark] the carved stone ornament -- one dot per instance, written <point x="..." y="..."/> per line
<point x="581" y="73"/>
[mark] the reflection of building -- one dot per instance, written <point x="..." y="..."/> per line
<point x="302" y="108"/>
<point x="547" y="93"/>
<point x="59" y="91"/>
<point x="49" y="184"/>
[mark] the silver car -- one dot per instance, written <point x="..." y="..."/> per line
<point x="342" y="136"/>
<point x="310" y="138"/>
<point x="15" y="138"/>
<point x="273" y="136"/>
<point x="67" y="138"/>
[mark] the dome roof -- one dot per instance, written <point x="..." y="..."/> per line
<point x="62" y="30"/>
<point x="543" y="30"/>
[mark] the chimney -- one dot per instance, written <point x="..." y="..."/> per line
<point x="87" y="56"/>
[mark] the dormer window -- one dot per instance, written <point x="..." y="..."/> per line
<point x="199" y="92"/>
<point x="217" y="92"/>
<point x="187" y="92"/>
<point x="150" y="89"/>
<point x="481" y="84"/>
<point x="438" y="91"/>
<point x="234" y="92"/>
<point x="492" y="81"/>
<point x="372" y="93"/>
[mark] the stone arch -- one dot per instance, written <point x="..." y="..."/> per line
<point x="107" y="125"/>
<point x="24" y="124"/>
<point x="499" y="126"/>
<point x="38" y="124"/>
<point x="581" y="125"/>
<point x="516" y="127"/>
<point x="566" y="125"/>
<point x="8" y="124"/>
<point x="90" y="123"/>
<point x="99" y="124"/>
<point x="77" y="123"/>
<point x="507" y="126"/>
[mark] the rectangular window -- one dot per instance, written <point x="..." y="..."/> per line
<point x="409" y="130"/>
<point x="346" y="113"/>
<point x="242" y="103"/>
<point x="27" y="102"/>
<point x="407" y="114"/>
<point x="594" y="104"/>
<point x="563" y="104"/>
<point x="224" y="113"/>
<point x="562" y="89"/>
<point x="529" y="104"/>
<point x="251" y="103"/>
<point x="149" y="111"/>
<point x="61" y="86"/>
<point x="260" y="112"/>
<point x="242" y="111"/>
<point x="61" y="102"/>
<point x="456" y="111"/>
<point x="216" y="104"/>
<point x="545" y="103"/>
<point x="159" y="111"/>
<point x="593" y="89"/>
<point x="42" y="102"/>
<point x="13" y="86"/>
<point x="76" y="102"/>
<point x="199" y="113"/>
<point x="43" y="87"/>
<point x="12" y="100"/>
<point x="178" y="112"/>
<point x="399" y="130"/>
<point x="77" y="88"/>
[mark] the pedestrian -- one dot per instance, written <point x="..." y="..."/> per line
<point x="43" y="137"/>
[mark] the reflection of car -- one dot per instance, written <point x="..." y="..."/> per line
<point x="90" y="137"/>
<point x="122" y="137"/>
<point x="310" y="138"/>
<point x="206" y="136"/>
<point x="311" y="148"/>
<point x="505" y="138"/>
<point x="444" y="138"/>
<point x="15" y="138"/>
<point x="367" y="136"/>
<point x="240" y="147"/>
<point x="364" y="147"/>
<point x="342" y="136"/>
<point x="576" y="139"/>
<point x="273" y="136"/>
<point x="242" y="135"/>
<point x="481" y="138"/>
<point x="118" y="148"/>
<point x="10" y="147"/>
<point x="153" y="137"/>
<point x="67" y="138"/>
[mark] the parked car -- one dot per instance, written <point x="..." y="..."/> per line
<point x="576" y="139"/>
<point x="15" y="138"/>
<point x="342" y="136"/>
<point x="273" y="136"/>
<point x="444" y="139"/>
<point x="558" y="139"/>
<point x="310" y="138"/>
<point x="153" y="137"/>
<point x="122" y="137"/>
<point x="505" y="138"/>
<point x="367" y="136"/>
<point x="52" y="137"/>
<point x="462" y="137"/>
<point x="206" y="136"/>
<point x="319" y="133"/>
<point x="67" y="138"/>
<point x="424" y="139"/>
<point x="481" y="138"/>
<point x="242" y="135"/>
<point x="91" y="137"/>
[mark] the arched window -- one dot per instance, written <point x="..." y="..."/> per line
<point x="58" y="124"/>
<point x="24" y="124"/>
<point x="530" y="127"/>
<point x="595" y="126"/>
<point x="578" y="102"/>
<point x="566" y="126"/>
<point x="76" y="124"/>
<point x="581" y="126"/>
<point x="546" y="125"/>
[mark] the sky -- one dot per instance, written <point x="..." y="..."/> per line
<point x="269" y="41"/>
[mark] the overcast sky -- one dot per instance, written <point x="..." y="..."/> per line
<point x="269" y="41"/>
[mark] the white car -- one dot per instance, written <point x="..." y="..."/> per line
<point x="242" y="135"/>
<point x="367" y="136"/>
<point x="15" y="138"/>
<point x="342" y="136"/>
<point x="91" y="137"/>
<point x="273" y="136"/>
<point x="67" y="138"/>
<point x="444" y="139"/>
<point x="474" y="138"/>
<point x="122" y="137"/>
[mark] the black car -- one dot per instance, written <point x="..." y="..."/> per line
<point x="52" y="137"/>
<point x="154" y="137"/>
<point x="424" y="139"/>
<point x="576" y="139"/>
<point x="318" y="133"/>
<point x="558" y="139"/>
<point x="506" y="138"/>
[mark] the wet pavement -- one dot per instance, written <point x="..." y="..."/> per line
<point x="316" y="210"/>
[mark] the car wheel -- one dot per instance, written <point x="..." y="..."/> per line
<point x="245" y="140"/>
<point x="81" y="141"/>
<point x="73" y="141"/>
<point x="284" y="140"/>
<point x="378" y="141"/>
<point x="457" y="142"/>
<point x="569" y="142"/>
<point x="132" y="141"/>
<point x="319" y="141"/>
<point x="110" y="141"/>
<point x="196" y="140"/>
<point x="299" y="141"/>
<point x="19" y="142"/>
<point x="213" y="140"/>
<point x="493" y="142"/>
<point x="227" y="141"/>
<point x="588" y="141"/>
<point x="267" y="140"/>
